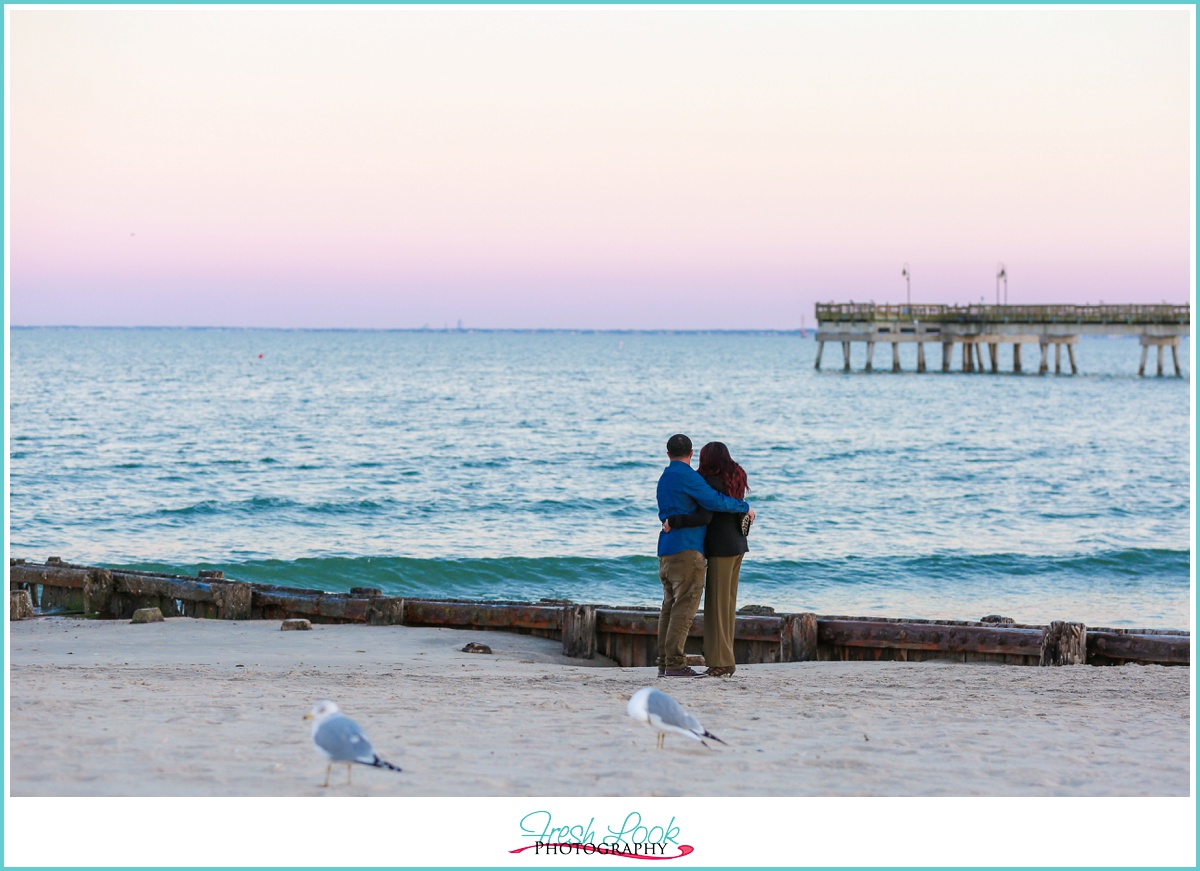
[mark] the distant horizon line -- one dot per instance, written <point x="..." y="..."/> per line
<point x="801" y="332"/>
<point x="665" y="330"/>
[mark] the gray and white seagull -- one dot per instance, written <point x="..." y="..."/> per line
<point x="340" y="739"/>
<point x="659" y="711"/>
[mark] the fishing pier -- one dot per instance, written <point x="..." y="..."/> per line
<point x="974" y="327"/>
<point x="629" y="636"/>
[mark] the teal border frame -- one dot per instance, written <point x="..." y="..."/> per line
<point x="878" y="3"/>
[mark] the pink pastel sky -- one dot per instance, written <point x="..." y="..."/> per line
<point x="590" y="167"/>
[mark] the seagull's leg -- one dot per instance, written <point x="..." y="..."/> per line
<point x="661" y="738"/>
<point x="328" y="768"/>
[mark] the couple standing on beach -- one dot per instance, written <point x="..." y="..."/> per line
<point x="702" y="514"/>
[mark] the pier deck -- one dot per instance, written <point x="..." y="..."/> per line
<point x="975" y="327"/>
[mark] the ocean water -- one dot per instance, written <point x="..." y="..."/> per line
<point x="516" y="465"/>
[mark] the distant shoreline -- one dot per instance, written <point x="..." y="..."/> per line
<point x="431" y="330"/>
<point x="808" y="332"/>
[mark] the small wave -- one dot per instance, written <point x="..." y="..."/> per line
<point x="627" y="464"/>
<point x="609" y="504"/>
<point x="213" y="507"/>
<point x="358" y="506"/>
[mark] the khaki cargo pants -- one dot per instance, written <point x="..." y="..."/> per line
<point x="682" y="576"/>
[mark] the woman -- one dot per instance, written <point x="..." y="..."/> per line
<point x="724" y="545"/>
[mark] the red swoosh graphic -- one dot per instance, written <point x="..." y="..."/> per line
<point x="684" y="850"/>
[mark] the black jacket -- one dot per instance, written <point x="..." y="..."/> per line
<point x="724" y="536"/>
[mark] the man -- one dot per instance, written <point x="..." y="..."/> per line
<point x="681" y="490"/>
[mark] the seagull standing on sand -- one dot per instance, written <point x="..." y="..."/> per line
<point x="340" y="739"/>
<point x="658" y="710"/>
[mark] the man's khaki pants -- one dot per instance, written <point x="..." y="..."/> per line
<point x="682" y="576"/>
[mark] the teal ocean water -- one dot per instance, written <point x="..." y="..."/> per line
<point x="523" y="465"/>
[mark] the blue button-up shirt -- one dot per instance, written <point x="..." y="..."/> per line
<point x="681" y="490"/>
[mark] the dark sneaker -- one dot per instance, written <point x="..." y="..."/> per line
<point x="686" y="671"/>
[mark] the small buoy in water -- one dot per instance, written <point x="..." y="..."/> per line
<point x="260" y="356"/>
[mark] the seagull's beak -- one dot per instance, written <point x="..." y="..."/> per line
<point x="306" y="717"/>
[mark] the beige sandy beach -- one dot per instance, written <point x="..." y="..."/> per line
<point x="212" y="708"/>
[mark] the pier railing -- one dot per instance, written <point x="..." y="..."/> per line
<point x="856" y="312"/>
<point x="627" y="635"/>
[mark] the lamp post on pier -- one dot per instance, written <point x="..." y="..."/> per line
<point x="1002" y="274"/>
<point x="907" y="285"/>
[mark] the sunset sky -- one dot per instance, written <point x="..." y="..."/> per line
<point x="589" y="166"/>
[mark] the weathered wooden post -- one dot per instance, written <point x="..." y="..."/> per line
<point x="20" y="605"/>
<point x="579" y="631"/>
<point x="920" y="356"/>
<point x="1175" y="356"/>
<point x="871" y="353"/>
<point x="968" y="356"/>
<point x="1142" y="365"/>
<point x="1063" y="643"/>
<point x="232" y="599"/>
<point x="21" y="579"/>
<point x="1071" y="356"/>
<point x="820" y="349"/>
<point x="386" y="611"/>
<point x="97" y="591"/>
<point x="1044" y="366"/>
<point x="1017" y="357"/>
<point x="994" y="354"/>
<point x="895" y="356"/>
<point x="979" y="356"/>
<point x="798" y="638"/>
<point x="1160" y="359"/>
<point x="846" y="355"/>
<point x="1058" y="358"/>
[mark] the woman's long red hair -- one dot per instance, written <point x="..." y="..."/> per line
<point x="715" y="461"/>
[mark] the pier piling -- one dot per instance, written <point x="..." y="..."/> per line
<point x="1160" y="342"/>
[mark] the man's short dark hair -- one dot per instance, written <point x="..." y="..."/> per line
<point x="679" y="445"/>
